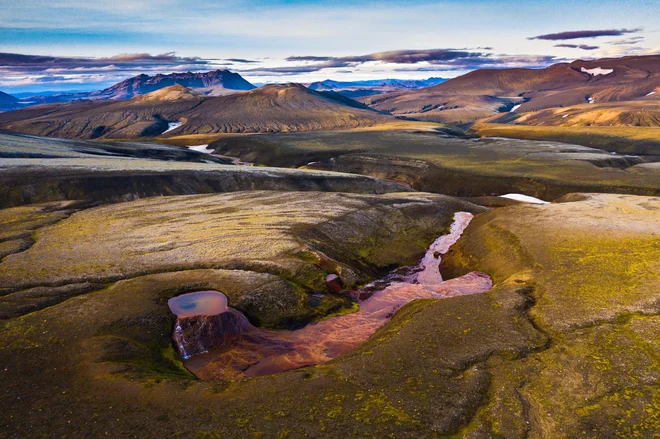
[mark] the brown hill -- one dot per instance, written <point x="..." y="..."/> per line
<point x="272" y="108"/>
<point x="429" y="106"/>
<point x="486" y="92"/>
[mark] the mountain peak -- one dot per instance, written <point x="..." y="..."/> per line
<point x="213" y="82"/>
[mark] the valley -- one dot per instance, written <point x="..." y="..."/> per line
<point x="454" y="165"/>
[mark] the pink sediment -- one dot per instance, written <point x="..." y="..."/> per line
<point x="235" y="160"/>
<point x="262" y="352"/>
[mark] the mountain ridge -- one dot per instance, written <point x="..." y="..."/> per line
<point x="357" y="89"/>
<point x="213" y="83"/>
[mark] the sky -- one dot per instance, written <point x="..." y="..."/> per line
<point x="88" y="45"/>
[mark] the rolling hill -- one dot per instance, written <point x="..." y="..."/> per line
<point x="486" y="92"/>
<point x="272" y="108"/>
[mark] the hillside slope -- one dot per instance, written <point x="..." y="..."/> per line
<point x="639" y="113"/>
<point x="486" y="92"/>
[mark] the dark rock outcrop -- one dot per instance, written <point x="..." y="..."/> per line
<point x="196" y="335"/>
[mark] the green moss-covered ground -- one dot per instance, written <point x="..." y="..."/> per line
<point x="287" y="242"/>
<point x="453" y="165"/>
<point x="592" y="272"/>
<point x="560" y="347"/>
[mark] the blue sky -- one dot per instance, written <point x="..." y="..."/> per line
<point x="356" y="39"/>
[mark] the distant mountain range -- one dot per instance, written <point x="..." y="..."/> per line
<point x="355" y="89"/>
<point x="486" y="92"/>
<point x="222" y="102"/>
<point x="8" y="102"/>
<point x="215" y="83"/>
<point x="177" y="110"/>
<point x="329" y="84"/>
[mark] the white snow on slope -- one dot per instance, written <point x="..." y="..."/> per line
<point x="524" y="198"/>
<point x="202" y="148"/>
<point x="597" y="71"/>
<point x="172" y="126"/>
<point x="515" y="107"/>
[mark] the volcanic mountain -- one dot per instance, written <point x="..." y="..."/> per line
<point x="8" y="102"/>
<point x="215" y="83"/>
<point x="485" y="92"/>
<point x="272" y="108"/>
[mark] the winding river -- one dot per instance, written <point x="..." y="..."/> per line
<point x="252" y="351"/>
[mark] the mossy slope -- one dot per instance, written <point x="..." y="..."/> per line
<point x="592" y="272"/>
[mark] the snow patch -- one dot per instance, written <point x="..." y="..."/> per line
<point x="597" y="71"/>
<point x="172" y="126"/>
<point x="649" y="94"/>
<point x="564" y="116"/>
<point x="515" y="107"/>
<point x="591" y="100"/>
<point x="524" y="198"/>
<point x="202" y="148"/>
